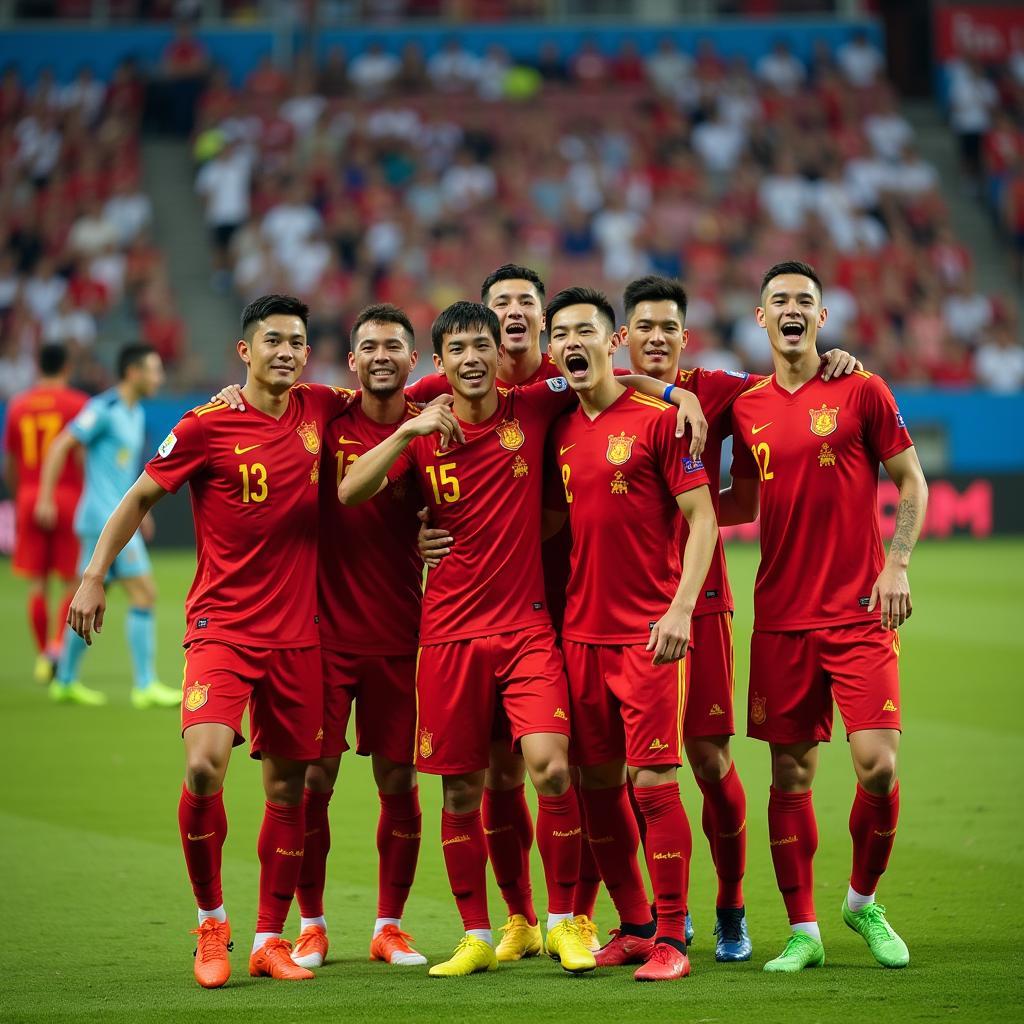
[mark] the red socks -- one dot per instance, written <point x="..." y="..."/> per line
<point x="873" y="828"/>
<point x="465" y="858"/>
<point x="398" y="849"/>
<point x="725" y="824"/>
<point x="508" y="829"/>
<point x="40" y="620"/>
<point x="558" y="840"/>
<point x="312" y="877"/>
<point x="587" y="885"/>
<point x="611" y="825"/>
<point x="61" y="621"/>
<point x="669" y="848"/>
<point x="793" y="836"/>
<point x="204" y="827"/>
<point x="280" y="851"/>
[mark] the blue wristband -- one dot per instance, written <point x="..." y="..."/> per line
<point x="667" y="396"/>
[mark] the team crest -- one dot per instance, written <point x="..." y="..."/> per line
<point x="620" y="448"/>
<point x="824" y="420"/>
<point x="310" y="438"/>
<point x="510" y="435"/>
<point x="758" y="712"/>
<point x="426" y="743"/>
<point x="196" y="696"/>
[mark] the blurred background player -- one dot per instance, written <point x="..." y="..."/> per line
<point x="34" y="419"/>
<point x="369" y="579"/>
<point x="627" y="625"/>
<point x="110" y="431"/>
<point x="826" y="610"/>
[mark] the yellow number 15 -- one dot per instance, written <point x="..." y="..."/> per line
<point x="444" y="483"/>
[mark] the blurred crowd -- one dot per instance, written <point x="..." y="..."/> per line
<point x="985" y="104"/>
<point x="76" y="249"/>
<point x="390" y="177"/>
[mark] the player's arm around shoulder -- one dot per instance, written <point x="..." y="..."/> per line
<point x="368" y="475"/>
<point x="689" y="413"/>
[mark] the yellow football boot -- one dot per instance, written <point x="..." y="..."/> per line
<point x="567" y="945"/>
<point x="471" y="956"/>
<point x="519" y="940"/>
<point x="588" y="932"/>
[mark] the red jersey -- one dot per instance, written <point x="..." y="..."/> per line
<point x="254" y="483"/>
<point x="621" y="472"/>
<point x="716" y="390"/>
<point x="427" y="388"/>
<point x="34" y="419"/>
<point x="816" y="453"/>
<point x="369" y="573"/>
<point x="487" y="493"/>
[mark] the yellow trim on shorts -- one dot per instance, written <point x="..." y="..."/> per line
<point x="680" y="701"/>
<point x="416" y="695"/>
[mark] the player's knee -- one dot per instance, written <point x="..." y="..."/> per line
<point x="395" y="778"/>
<point x="321" y="775"/>
<point x="790" y="773"/>
<point x="709" y="762"/>
<point x="285" y="790"/>
<point x="877" y="774"/>
<point x="462" y="795"/>
<point x="204" y="773"/>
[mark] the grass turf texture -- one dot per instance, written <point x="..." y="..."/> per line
<point x="98" y="908"/>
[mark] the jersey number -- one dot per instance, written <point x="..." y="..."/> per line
<point x="344" y="463"/>
<point x="762" y="453"/>
<point x="566" y="472"/>
<point x="444" y="482"/>
<point x="36" y="434"/>
<point x="254" y="482"/>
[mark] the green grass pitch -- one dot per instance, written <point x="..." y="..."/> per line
<point x="97" y="906"/>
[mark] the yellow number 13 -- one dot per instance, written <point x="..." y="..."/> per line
<point x="762" y="453"/>
<point x="254" y="482"/>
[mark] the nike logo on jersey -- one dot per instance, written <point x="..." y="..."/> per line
<point x="562" y="451"/>
<point x="195" y="839"/>
<point x="345" y="440"/>
<point x="757" y="430"/>
<point x="242" y="451"/>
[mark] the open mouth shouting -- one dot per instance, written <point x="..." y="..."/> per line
<point x="793" y="330"/>
<point x="576" y="366"/>
<point x="515" y="330"/>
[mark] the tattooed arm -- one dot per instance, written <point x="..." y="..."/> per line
<point x="891" y="592"/>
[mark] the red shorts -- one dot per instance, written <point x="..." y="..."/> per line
<point x="40" y="552"/>
<point x="623" y="707"/>
<point x="459" y="686"/>
<point x="794" y="678"/>
<point x="283" y="689"/>
<point x="709" y="710"/>
<point x="384" y="689"/>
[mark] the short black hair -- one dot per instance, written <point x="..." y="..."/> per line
<point x="512" y="272"/>
<point x="270" y="305"/>
<point x="791" y="267"/>
<point x="654" y="289"/>
<point x="382" y="313"/>
<point x="580" y="296"/>
<point x="52" y="359"/>
<point x="132" y="355"/>
<point x="463" y="316"/>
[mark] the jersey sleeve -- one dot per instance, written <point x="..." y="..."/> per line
<point x="181" y="455"/>
<point x="428" y="388"/>
<point x="550" y="397"/>
<point x="332" y="401"/>
<point x="743" y="464"/>
<point x="885" y="431"/>
<point x="681" y="472"/>
<point x="91" y="422"/>
<point x="717" y="390"/>
<point x="404" y="463"/>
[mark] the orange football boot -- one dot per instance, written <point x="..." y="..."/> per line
<point x="212" y="966"/>
<point x="311" y="947"/>
<point x="666" y="963"/>
<point x="274" y="960"/>
<point x="394" y="946"/>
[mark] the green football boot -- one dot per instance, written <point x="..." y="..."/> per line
<point x="76" y="693"/>
<point x="802" y="950"/>
<point x="885" y="945"/>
